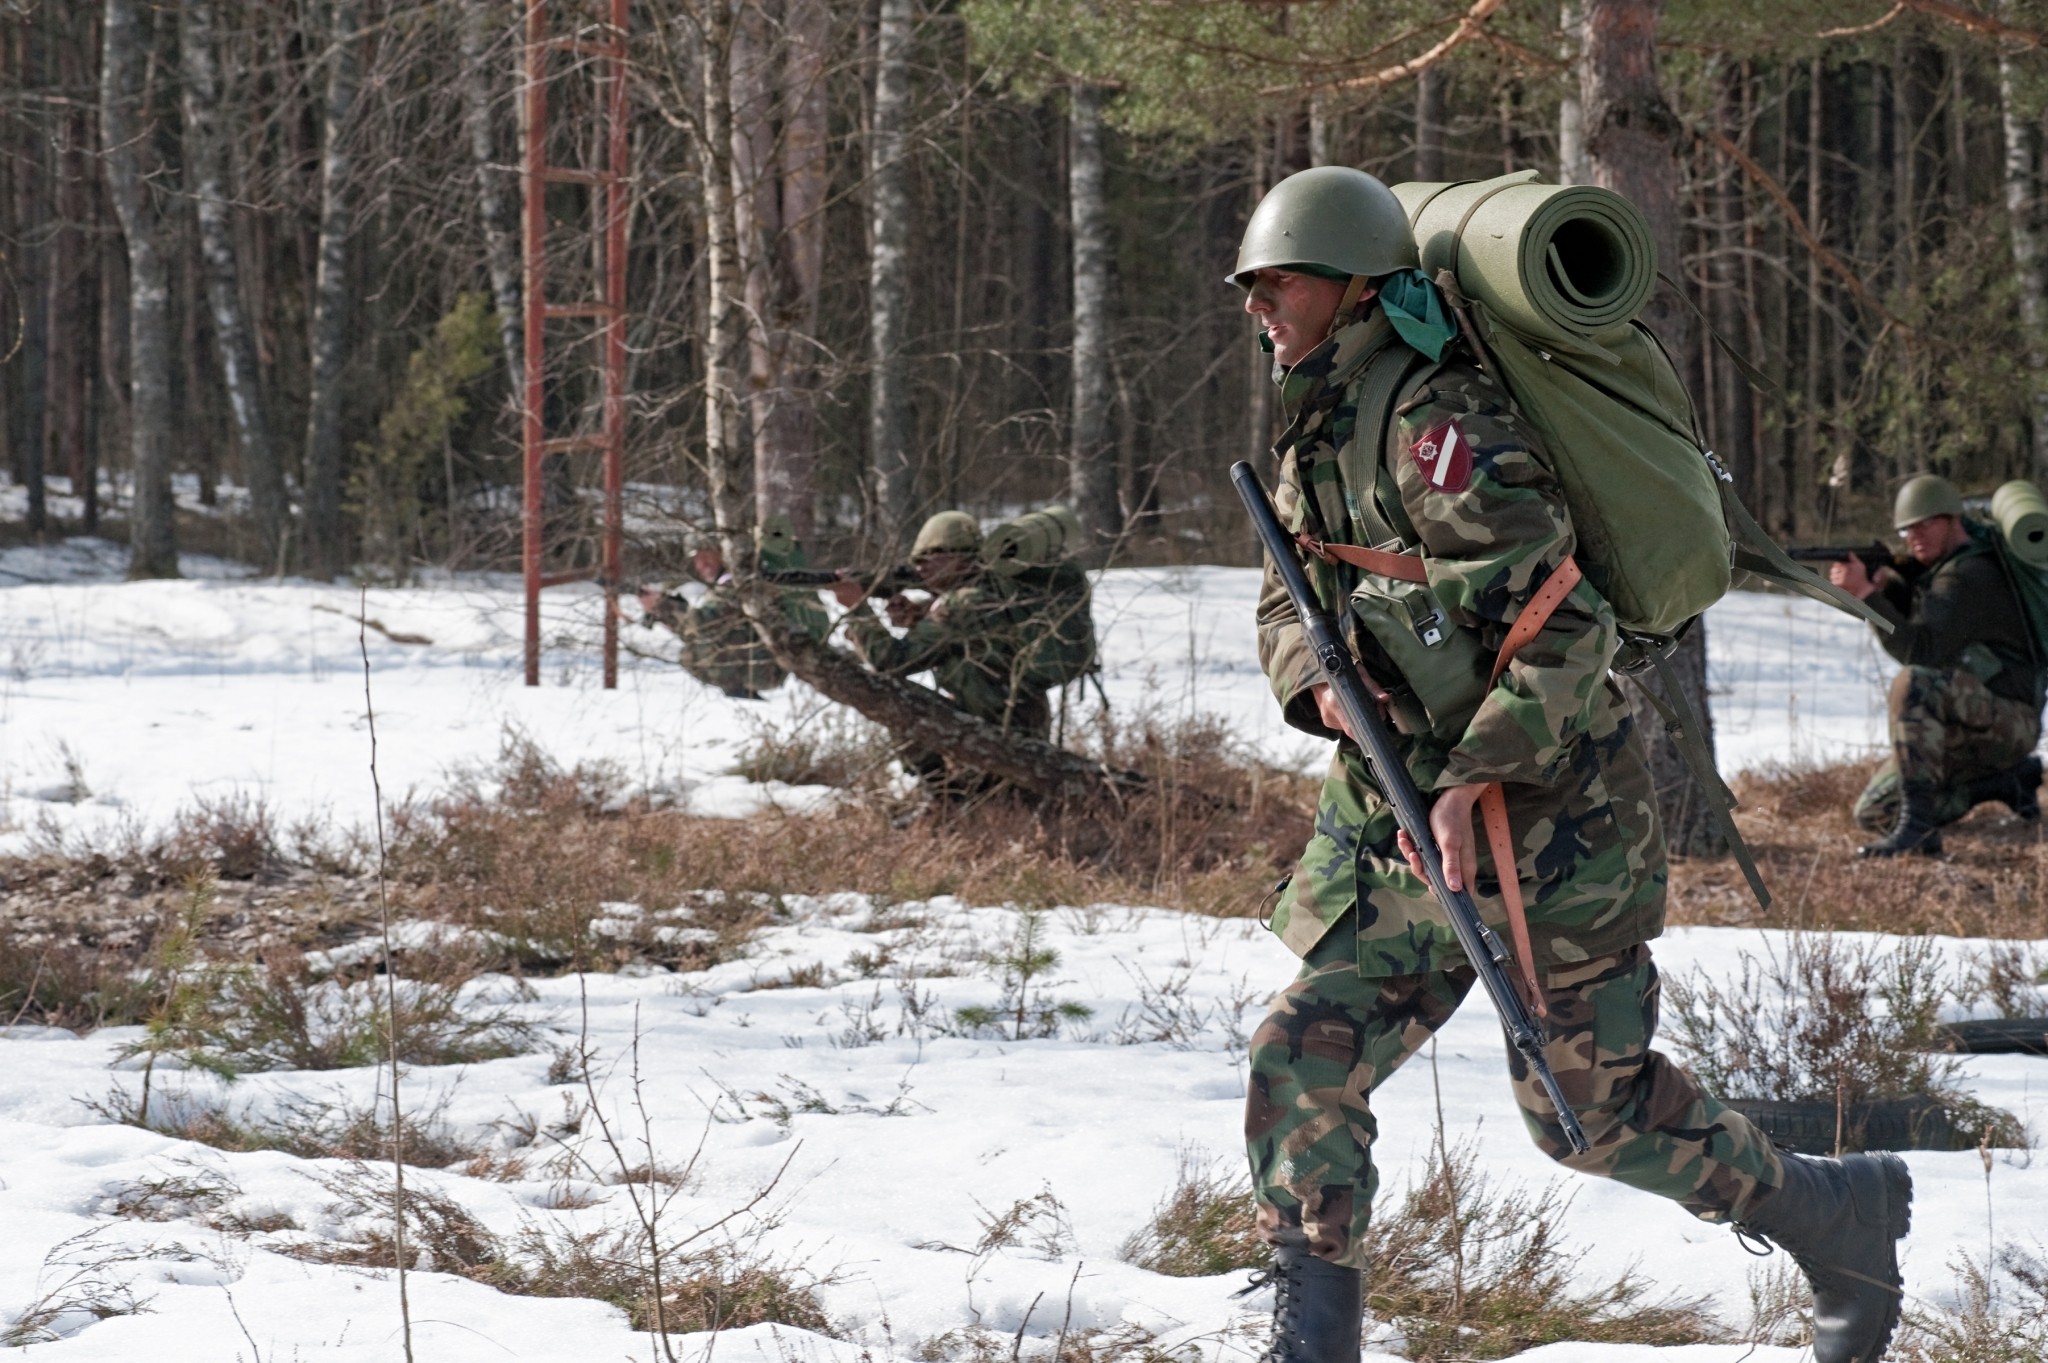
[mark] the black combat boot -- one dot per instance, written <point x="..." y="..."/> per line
<point x="1841" y="1220"/>
<point x="2018" y="788"/>
<point x="1318" y="1307"/>
<point x="1915" y="830"/>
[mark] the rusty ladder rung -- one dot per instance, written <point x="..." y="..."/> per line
<point x="593" y="309"/>
<point x="584" y="47"/>
<point x="569" y="444"/>
<point x="564" y="579"/>
<point x="574" y="175"/>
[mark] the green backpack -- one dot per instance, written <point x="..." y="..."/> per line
<point x="1547" y="282"/>
<point x="1050" y="595"/>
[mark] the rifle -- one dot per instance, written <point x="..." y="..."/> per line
<point x="1482" y="945"/>
<point x="1875" y="555"/>
<point x="900" y="577"/>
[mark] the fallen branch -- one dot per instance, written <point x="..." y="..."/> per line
<point x="1471" y="26"/>
<point x="366" y="622"/>
<point x="1834" y="263"/>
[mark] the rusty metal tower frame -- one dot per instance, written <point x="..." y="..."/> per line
<point x="608" y="186"/>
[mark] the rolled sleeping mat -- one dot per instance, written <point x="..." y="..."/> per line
<point x="2022" y="515"/>
<point x="1037" y="539"/>
<point x="1562" y="261"/>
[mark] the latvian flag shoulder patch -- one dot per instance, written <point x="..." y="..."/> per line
<point x="1444" y="456"/>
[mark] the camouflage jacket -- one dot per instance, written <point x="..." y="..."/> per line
<point x="971" y="640"/>
<point x="1960" y="613"/>
<point x="1491" y="525"/>
<point x="719" y="645"/>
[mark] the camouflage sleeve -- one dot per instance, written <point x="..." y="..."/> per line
<point x="803" y="610"/>
<point x="942" y="634"/>
<point x="1284" y="653"/>
<point x="1493" y="525"/>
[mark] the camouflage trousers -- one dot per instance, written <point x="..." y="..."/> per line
<point x="1947" y="729"/>
<point x="1334" y="1036"/>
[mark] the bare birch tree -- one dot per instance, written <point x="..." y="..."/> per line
<point x="329" y="336"/>
<point x="483" y="22"/>
<point x="890" y="424"/>
<point x="126" y="133"/>
<point x="2022" y="206"/>
<point x="1091" y="456"/>
<point x="211" y="181"/>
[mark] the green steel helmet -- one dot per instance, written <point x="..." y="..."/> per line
<point x="775" y="537"/>
<point x="1924" y="496"/>
<point x="949" y="530"/>
<point x="1334" y="217"/>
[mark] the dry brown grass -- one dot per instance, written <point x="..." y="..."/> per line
<point x="1993" y="881"/>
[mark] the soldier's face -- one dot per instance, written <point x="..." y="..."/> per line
<point x="944" y="569"/>
<point x="1931" y="540"/>
<point x="1295" y="309"/>
<point x="707" y="564"/>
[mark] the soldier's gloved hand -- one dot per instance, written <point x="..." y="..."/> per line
<point x="1450" y="823"/>
<point x="904" y="612"/>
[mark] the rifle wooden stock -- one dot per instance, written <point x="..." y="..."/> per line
<point x="1482" y="946"/>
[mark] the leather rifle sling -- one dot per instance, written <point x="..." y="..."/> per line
<point x="1493" y="801"/>
<point x="1380" y="562"/>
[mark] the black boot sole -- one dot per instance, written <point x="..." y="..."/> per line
<point x="1896" y="1183"/>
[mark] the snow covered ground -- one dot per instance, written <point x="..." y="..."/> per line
<point x="895" y="1144"/>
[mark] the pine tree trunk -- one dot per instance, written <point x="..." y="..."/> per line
<point x="325" y="554"/>
<point x="1631" y="138"/>
<point x="482" y="22"/>
<point x="2022" y="193"/>
<point x="778" y="74"/>
<point x="206" y="157"/>
<point x="1430" y="112"/>
<point x="124" y="138"/>
<point x="1091" y="457"/>
<point x="891" y="424"/>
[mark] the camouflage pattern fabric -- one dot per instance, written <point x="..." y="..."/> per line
<point x="1490" y="520"/>
<point x="1335" y="1035"/>
<point x="719" y="645"/>
<point x="1947" y="728"/>
<point x="972" y="641"/>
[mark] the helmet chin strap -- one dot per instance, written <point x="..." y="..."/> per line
<point x="1356" y="295"/>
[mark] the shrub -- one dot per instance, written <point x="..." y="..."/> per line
<point x="1823" y="1022"/>
<point x="1464" y="1271"/>
<point x="1206" y="1225"/>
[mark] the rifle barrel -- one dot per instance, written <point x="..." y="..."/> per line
<point x="1482" y="945"/>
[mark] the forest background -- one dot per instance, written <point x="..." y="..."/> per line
<point x="896" y="255"/>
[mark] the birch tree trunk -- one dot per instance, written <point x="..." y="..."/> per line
<point x="1572" y="166"/>
<point x="125" y="135"/>
<point x="1631" y="137"/>
<point x="725" y="326"/>
<point x="890" y="424"/>
<point x="1091" y="458"/>
<point x="482" y="21"/>
<point x="329" y="335"/>
<point x="2022" y="193"/>
<point x="206" y="157"/>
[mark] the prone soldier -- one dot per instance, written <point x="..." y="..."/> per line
<point x="1965" y="709"/>
<point x="1328" y="266"/>
<point x="720" y="646"/>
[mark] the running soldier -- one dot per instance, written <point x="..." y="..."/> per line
<point x="1328" y="268"/>
<point x="1965" y="710"/>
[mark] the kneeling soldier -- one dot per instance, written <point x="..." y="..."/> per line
<point x="1966" y="708"/>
